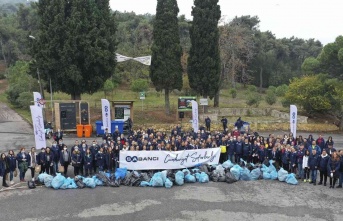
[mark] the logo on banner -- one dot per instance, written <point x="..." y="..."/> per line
<point x="135" y="159"/>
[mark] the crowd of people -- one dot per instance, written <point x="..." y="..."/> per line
<point x="301" y="156"/>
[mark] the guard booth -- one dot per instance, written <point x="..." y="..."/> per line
<point x="122" y="111"/>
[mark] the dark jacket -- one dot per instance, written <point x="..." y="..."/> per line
<point x="41" y="158"/>
<point x="4" y="168"/>
<point x="62" y="161"/>
<point x="56" y="152"/>
<point x="334" y="166"/>
<point x="100" y="159"/>
<point x="323" y="162"/>
<point x="76" y="158"/>
<point x="49" y="157"/>
<point x="20" y="159"/>
<point x="341" y="165"/>
<point x="313" y="162"/>
<point x="239" y="147"/>
<point x="293" y="158"/>
<point x="274" y="155"/>
<point x="300" y="156"/>
<point x="12" y="162"/>
<point x="230" y="147"/>
<point x="285" y="157"/>
<point x="261" y="153"/>
<point x="330" y="151"/>
<point x="246" y="149"/>
<point x="88" y="161"/>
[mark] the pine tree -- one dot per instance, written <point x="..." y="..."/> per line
<point x="204" y="57"/>
<point x="76" y="44"/>
<point x="166" y="69"/>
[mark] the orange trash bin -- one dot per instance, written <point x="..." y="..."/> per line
<point x="88" y="130"/>
<point x="79" y="130"/>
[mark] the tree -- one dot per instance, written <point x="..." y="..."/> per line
<point x="166" y="69"/>
<point x="139" y="85"/>
<point x="75" y="45"/>
<point x="204" y="57"/>
<point x="109" y="86"/>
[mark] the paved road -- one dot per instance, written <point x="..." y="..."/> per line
<point x="244" y="200"/>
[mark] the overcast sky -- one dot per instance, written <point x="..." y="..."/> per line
<point x="319" y="19"/>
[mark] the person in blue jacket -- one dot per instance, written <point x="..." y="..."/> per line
<point x="56" y="156"/>
<point x="100" y="159"/>
<point x="323" y="167"/>
<point x="254" y="152"/>
<point x="238" y="149"/>
<point x="293" y="161"/>
<point x="12" y="163"/>
<point x="333" y="169"/>
<point x="230" y="149"/>
<point x="88" y="162"/>
<point x="300" y="156"/>
<point x="246" y="151"/>
<point x="41" y="160"/>
<point x="49" y="164"/>
<point x="261" y="152"/>
<point x="315" y="147"/>
<point x="313" y="162"/>
<point x="23" y="163"/>
<point x="76" y="159"/>
<point x="285" y="158"/>
<point x="94" y="150"/>
<point x="4" y="169"/>
<point x="65" y="159"/>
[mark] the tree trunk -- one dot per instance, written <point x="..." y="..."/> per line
<point x="261" y="78"/>
<point x="166" y="101"/>
<point x="233" y="71"/>
<point x="205" y="107"/>
<point x="3" y="52"/>
<point x="216" y="99"/>
<point x="75" y="96"/>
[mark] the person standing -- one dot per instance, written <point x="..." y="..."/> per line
<point x="88" y="162"/>
<point x="4" y="169"/>
<point x="56" y="156"/>
<point x="224" y="122"/>
<point x="76" y="159"/>
<point x="49" y="156"/>
<point x="208" y="123"/>
<point x="313" y="162"/>
<point x="12" y="163"/>
<point x="65" y="159"/>
<point x="41" y="160"/>
<point x="300" y="156"/>
<point x="23" y="162"/>
<point x="333" y="169"/>
<point x="58" y="136"/>
<point x="323" y="167"/>
<point x="33" y="162"/>
<point x="340" y="170"/>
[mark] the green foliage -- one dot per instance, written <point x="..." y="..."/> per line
<point x="253" y="99"/>
<point x="166" y="69"/>
<point x="204" y="57"/>
<point x="82" y="54"/>
<point x="285" y="103"/>
<point x="310" y="66"/>
<point x="281" y="90"/>
<point x="139" y="85"/>
<point x="24" y="100"/>
<point x="317" y="93"/>
<point x="272" y="89"/>
<point x="109" y="86"/>
<point x="270" y="97"/>
<point x="252" y="88"/>
<point x="233" y="92"/>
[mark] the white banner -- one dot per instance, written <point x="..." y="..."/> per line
<point x="161" y="160"/>
<point x="106" y="115"/>
<point x="146" y="60"/>
<point x="38" y="126"/>
<point x="122" y="58"/>
<point x="37" y="97"/>
<point x="195" y="117"/>
<point x="293" y="115"/>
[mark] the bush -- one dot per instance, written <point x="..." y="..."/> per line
<point x="281" y="90"/>
<point x="253" y="99"/>
<point x="271" y="88"/>
<point x="2" y="76"/>
<point x="139" y="85"/>
<point x="270" y="97"/>
<point x="285" y="103"/>
<point x="252" y="88"/>
<point x="25" y="100"/>
<point x="233" y="93"/>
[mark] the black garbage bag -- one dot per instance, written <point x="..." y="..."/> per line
<point x="31" y="184"/>
<point x="102" y="176"/>
<point x="221" y="178"/>
<point x="266" y="162"/>
<point x="145" y="177"/>
<point x="79" y="183"/>
<point x="114" y="183"/>
<point x="127" y="180"/>
<point x="249" y="166"/>
<point x="230" y="178"/>
<point x="214" y="176"/>
<point x="171" y="175"/>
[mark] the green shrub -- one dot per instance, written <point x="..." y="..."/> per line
<point x="285" y="103"/>
<point x="2" y="76"/>
<point x="270" y="97"/>
<point x="233" y="93"/>
<point x="253" y="99"/>
<point x="271" y="88"/>
<point x="252" y="88"/>
<point x="281" y="90"/>
<point x="139" y="85"/>
<point x="25" y="100"/>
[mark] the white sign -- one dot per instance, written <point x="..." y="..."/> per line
<point x="38" y="126"/>
<point x="106" y="114"/>
<point x="195" y="117"/>
<point x="160" y="160"/>
<point x="122" y="58"/>
<point x="37" y="98"/>
<point x="204" y="102"/>
<point x="146" y="60"/>
<point x="293" y="115"/>
<point x="142" y="95"/>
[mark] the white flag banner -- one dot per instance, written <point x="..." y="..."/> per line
<point x="38" y="126"/>
<point x="195" y="117"/>
<point x="161" y="160"/>
<point x="37" y="97"/>
<point x="144" y="60"/>
<point x="106" y="115"/>
<point x="122" y="58"/>
<point x="293" y="115"/>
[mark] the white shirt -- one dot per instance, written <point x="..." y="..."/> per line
<point x="305" y="161"/>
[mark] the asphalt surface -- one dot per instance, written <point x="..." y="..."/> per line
<point x="243" y="200"/>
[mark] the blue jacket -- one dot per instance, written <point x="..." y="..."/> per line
<point x="62" y="161"/>
<point x="313" y="162"/>
<point x="285" y="157"/>
<point x="3" y="167"/>
<point x="41" y="158"/>
<point x="246" y="149"/>
<point x="239" y="147"/>
<point x="317" y="148"/>
<point x="230" y="147"/>
<point x="94" y="150"/>
<point x="293" y="158"/>
<point x="100" y="159"/>
<point x="49" y="157"/>
<point x="333" y="166"/>
<point x="20" y="159"/>
<point x="300" y="156"/>
<point x="76" y="158"/>
<point x="323" y="162"/>
<point x="261" y="153"/>
<point x="12" y="162"/>
<point x="56" y="152"/>
<point x="88" y="161"/>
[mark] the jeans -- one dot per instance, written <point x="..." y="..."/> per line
<point x="340" y="178"/>
<point x="314" y="175"/>
<point x="11" y="175"/>
<point x="300" y="171"/>
<point x="231" y="158"/>
<point x="22" y="175"/>
<point x="55" y="166"/>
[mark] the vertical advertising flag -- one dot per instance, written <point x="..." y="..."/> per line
<point x="106" y="115"/>
<point x="195" y="112"/>
<point x="37" y="97"/>
<point x="38" y="126"/>
<point x="293" y="115"/>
